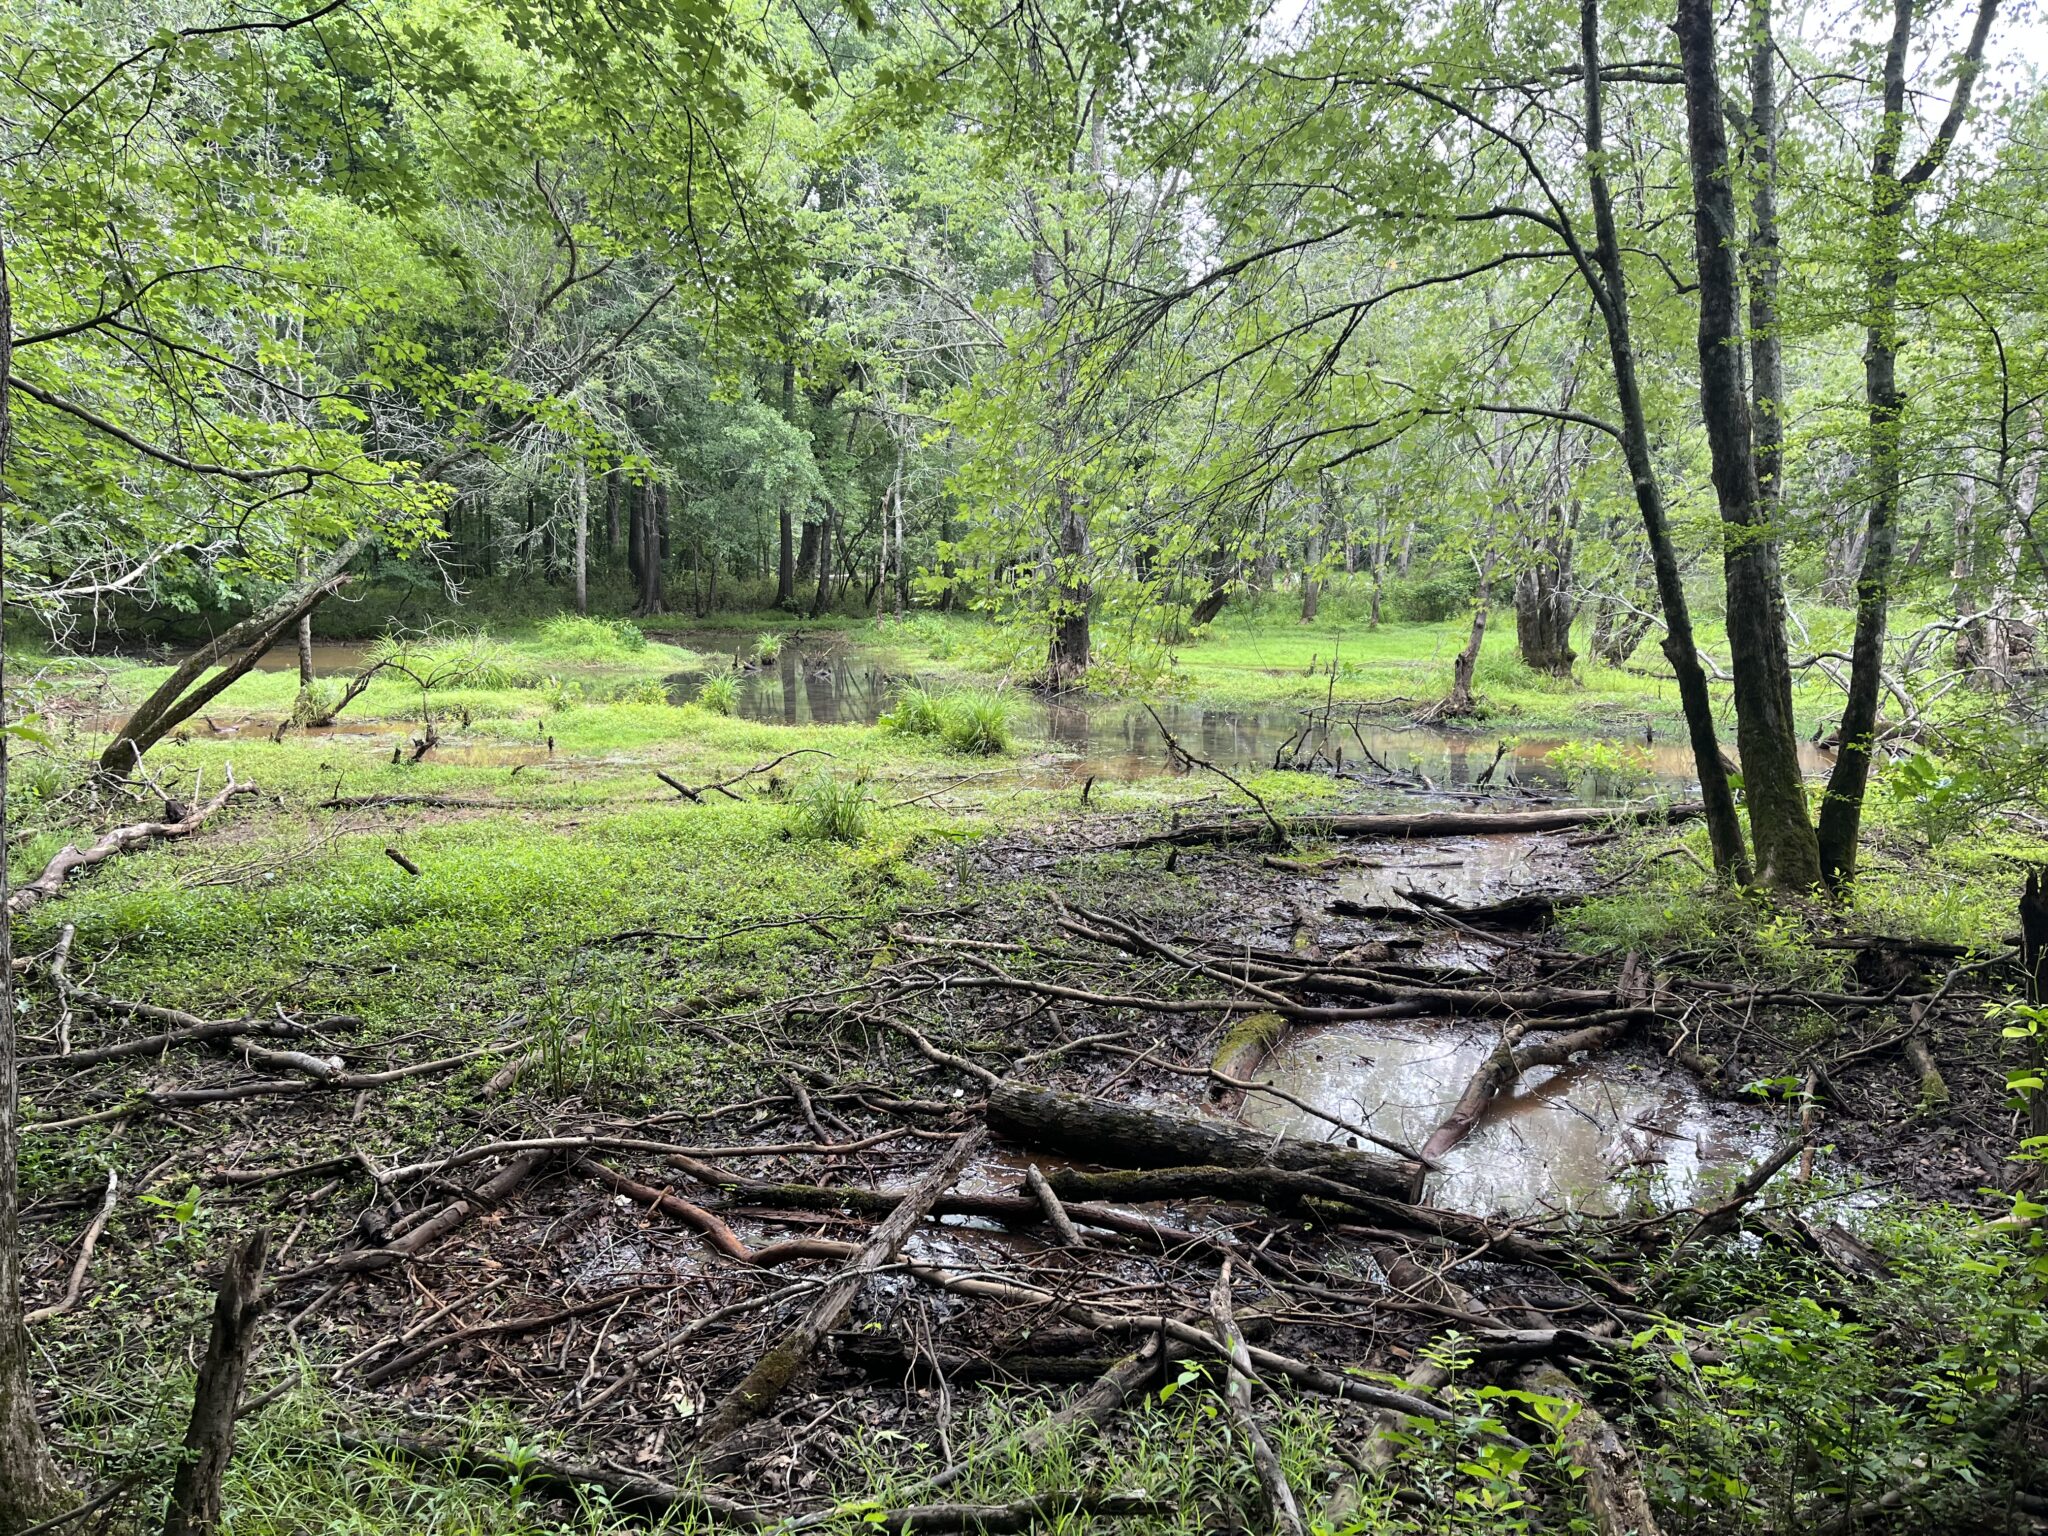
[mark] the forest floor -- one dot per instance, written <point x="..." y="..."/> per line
<point x="628" y="1075"/>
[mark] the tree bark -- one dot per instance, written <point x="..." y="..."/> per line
<point x="210" y="1436"/>
<point x="30" y="1489"/>
<point x="305" y="567"/>
<point x="1606" y="278"/>
<point x="1787" y="855"/>
<point x="1891" y="198"/>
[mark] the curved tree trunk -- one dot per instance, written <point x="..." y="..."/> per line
<point x="1891" y="197"/>
<point x="1610" y="291"/>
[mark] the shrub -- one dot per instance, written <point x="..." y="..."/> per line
<point x="592" y="639"/>
<point x="646" y="690"/>
<point x="832" y="809"/>
<point x="978" y="723"/>
<point x="915" y="713"/>
<point x="1429" y="598"/>
<point x="1595" y="768"/>
<point x="768" y="647"/>
<point x="720" y="695"/>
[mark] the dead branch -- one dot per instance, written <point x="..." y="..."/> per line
<point x="774" y="1370"/>
<point x="1175" y="749"/>
<point x="70" y="859"/>
<point x="696" y="793"/>
<point x="1281" y="1509"/>
<point x="76" y="1284"/>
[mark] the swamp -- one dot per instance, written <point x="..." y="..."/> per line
<point x="1052" y="767"/>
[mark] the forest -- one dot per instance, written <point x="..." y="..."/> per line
<point x="967" y="766"/>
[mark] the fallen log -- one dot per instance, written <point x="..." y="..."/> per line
<point x="1509" y="1060"/>
<point x="1614" y="1484"/>
<point x="774" y="1370"/>
<point x="1418" y="824"/>
<point x="71" y="858"/>
<point x="1120" y="1134"/>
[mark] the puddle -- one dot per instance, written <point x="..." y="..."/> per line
<point x="1470" y="871"/>
<point x="1603" y="1135"/>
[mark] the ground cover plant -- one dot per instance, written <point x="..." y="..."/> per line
<point x="932" y="769"/>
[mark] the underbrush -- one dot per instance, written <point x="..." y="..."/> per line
<point x="972" y="722"/>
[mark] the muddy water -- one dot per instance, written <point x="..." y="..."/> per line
<point x="825" y="680"/>
<point x="1602" y="1134"/>
<point x="1597" y="1135"/>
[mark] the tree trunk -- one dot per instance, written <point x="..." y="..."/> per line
<point x="1544" y="606"/>
<point x="902" y="566"/>
<point x="1724" y="831"/>
<point x="30" y="1490"/>
<point x="1891" y="196"/>
<point x="1121" y="1135"/>
<point x="582" y="539"/>
<point x="305" y="566"/>
<point x="1067" y="657"/>
<point x="611" y="513"/>
<point x="1787" y="855"/>
<point x="217" y="1394"/>
<point x="824" y="593"/>
<point x="807" y="553"/>
<point x="1461" y="700"/>
<point x="181" y="695"/>
<point x="785" y="548"/>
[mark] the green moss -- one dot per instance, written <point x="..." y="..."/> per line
<point x="1246" y="1042"/>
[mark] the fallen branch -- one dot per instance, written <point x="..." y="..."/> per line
<point x="1507" y="1062"/>
<point x="71" y="858"/>
<point x="1421" y="824"/>
<point x="696" y="793"/>
<point x="1281" y="1509"/>
<point x="774" y="1370"/>
<point x="79" y="1266"/>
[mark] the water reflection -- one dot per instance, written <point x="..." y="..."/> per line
<point x="1600" y="1135"/>
<point x="824" y="680"/>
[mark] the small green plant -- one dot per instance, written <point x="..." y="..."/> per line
<point x="646" y="690"/>
<point x="720" y="695"/>
<point x="1603" y="768"/>
<point x="1935" y="799"/>
<point x="318" y="701"/>
<point x="768" y="647"/>
<point x="592" y="639"/>
<point x="828" y="808"/>
<point x="915" y="713"/>
<point x="978" y="723"/>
